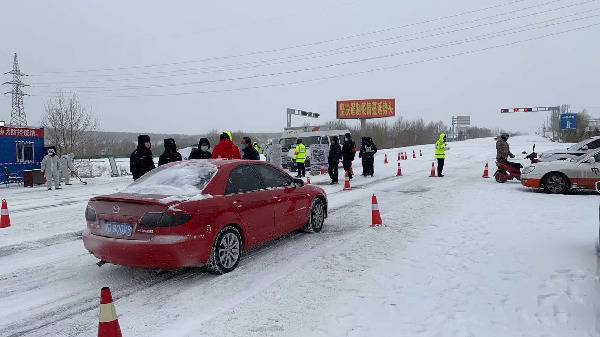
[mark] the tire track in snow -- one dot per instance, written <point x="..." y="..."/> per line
<point x="41" y="243"/>
<point x="81" y="305"/>
<point x="42" y="207"/>
<point x="86" y="301"/>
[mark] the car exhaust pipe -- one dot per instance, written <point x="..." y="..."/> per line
<point x="100" y="263"/>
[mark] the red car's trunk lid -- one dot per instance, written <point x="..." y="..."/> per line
<point x="118" y="215"/>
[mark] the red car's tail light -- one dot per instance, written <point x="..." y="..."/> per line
<point x="164" y="219"/>
<point x="90" y="214"/>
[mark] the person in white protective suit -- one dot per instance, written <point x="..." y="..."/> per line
<point x="66" y="167"/>
<point x="51" y="170"/>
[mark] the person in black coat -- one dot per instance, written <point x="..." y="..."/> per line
<point x="170" y="155"/>
<point x="348" y="154"/>
<point x="141" y="161"/>
<point x="335" y="154"/>
<point x="367" y="154"/>
<point x="203" y="150"/>
<point x="248" y="150"/>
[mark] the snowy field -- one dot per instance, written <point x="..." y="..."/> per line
<point x="458" y="256"/>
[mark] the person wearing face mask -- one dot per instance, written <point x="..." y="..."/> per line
<point x="141" y="161"/>
<point x="66" y="167"/>
<point x="203" y="150"/>
<point x="248" y="150"/>
<point x="170" y="155"/>
<point x="348" y="154"/>
<point x="335" y="154"/>
<point x="50" y="169"/>
<point x="367" y="154"/>
<point x="226" y="149"/>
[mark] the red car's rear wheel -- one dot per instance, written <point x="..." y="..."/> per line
<point x="226" y="252"/>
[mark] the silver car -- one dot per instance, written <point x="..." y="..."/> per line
<point x="574" y="152"/>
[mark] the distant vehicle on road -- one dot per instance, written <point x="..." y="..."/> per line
<point x="200" y="213"/>
<point x="562" y="176"/>
<point x="315" y="137"/>
<point x="572" y="152"/>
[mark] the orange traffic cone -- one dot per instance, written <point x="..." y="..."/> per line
<point x="414" y="154"/>
<point x="420" y="153"/>
<point x="399" y="174"/>
<point x="307" y="180"/>
<point x="385" y="160"/>
<point x="375" y="215"/>
<point x="347" y="183"/>
<point x="109" y="324"/>
<point x="432" y="170"/>
<point x="4" y="218"/>
<point x="486" y="171"/>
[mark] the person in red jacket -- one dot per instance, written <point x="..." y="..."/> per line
<point x="226" y="149"/>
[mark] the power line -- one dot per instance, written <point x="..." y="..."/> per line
<point x="482" y="37"/>
<point x="302" y="45"/>
<point x="322" y="54"/>
<point x="364" y="72"/>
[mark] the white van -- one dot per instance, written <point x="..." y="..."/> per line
<point x="315" y="137"/>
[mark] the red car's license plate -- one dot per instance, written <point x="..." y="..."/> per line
<point x="117" y="229"/>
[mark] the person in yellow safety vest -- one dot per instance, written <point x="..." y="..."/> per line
<point x="300" y="158"/>
<point x="257" y="148"/>
<point x="440" y="153"/>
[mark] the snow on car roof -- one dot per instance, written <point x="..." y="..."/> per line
<point x="186" y="178"/>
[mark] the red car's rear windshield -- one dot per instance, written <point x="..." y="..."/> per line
<point x="186" y="178"/>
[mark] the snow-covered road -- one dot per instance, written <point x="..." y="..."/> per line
<point x="459" y="256"/>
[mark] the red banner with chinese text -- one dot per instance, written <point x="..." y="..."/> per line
<point x="21" y="132"/>
<point x="366" y="108"/>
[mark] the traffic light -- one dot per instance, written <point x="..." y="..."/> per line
<point x="503" y="111"/>
<point x="527" y="109"/>
<point x="516" y="110"/>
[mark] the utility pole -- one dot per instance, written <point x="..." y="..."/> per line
<point x="17" y="115"/>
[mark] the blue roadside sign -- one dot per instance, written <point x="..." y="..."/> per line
<point x="568" y="121"/>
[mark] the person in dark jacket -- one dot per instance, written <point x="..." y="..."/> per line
<point x="203" y="150"/>
<point x="226" y="149"/>
<point x="335" y="155"/>
<point x="348" y="154"/>
<point x="248" y="150"/>
<point x="503" y="149"/>
<point x="141" y="161"/>
<point x="367" y="154"/>
<point x="170" y="155"/>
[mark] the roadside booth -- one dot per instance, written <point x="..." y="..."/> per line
<point x="21" y="152"/>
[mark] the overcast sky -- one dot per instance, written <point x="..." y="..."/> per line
<point x="188" y="66"/>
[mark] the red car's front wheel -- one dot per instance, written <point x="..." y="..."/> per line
<point x="316" y="217"/>
<point x="226" y="252"/>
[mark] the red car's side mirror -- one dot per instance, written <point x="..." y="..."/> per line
<point x="297" y="183"/>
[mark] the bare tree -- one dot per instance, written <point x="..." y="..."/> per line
<point x="70" y="126"/>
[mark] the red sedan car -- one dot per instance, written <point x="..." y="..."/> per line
<point x="200" y="212"/>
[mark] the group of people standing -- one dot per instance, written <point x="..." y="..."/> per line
<point x="346" y="153"/>
<point x="54" y="168"/>
<point x="141" y="160"/>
